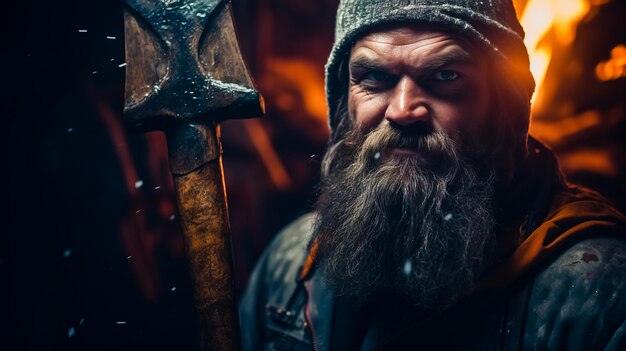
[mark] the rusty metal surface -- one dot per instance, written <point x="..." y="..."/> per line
<point x="183" y="62"/>
<point x="184" y="75"/>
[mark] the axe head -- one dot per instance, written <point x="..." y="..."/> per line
<point x="183" y="63"/>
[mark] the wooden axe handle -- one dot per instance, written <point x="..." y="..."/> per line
<point x="204" y="217"/>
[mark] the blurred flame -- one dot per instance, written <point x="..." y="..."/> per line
<point x="261" y="141"/>
<point x="550" y="27"/>
<point x="294" y="86"/>
<point x="596" y="160"/>
<point x="309" y="80"/>
<point x="542" y="17"/>
<point x="567" y="128"/>
<point x="615" y="67"/>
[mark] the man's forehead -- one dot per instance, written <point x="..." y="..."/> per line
<point x="405" y="32"/>
<point x="430" y="42"/>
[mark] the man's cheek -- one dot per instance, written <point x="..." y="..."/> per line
<point x="363" y="104"/>
<point x="368" y="112"/>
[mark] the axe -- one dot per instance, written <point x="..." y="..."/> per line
<point x="184" y="75"/>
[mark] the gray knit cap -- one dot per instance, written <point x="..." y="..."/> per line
<point x="491" y="24"/>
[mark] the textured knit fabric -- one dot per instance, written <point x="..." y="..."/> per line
<point x="490" y="24"/>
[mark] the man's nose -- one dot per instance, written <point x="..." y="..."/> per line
<point x="407" y="104"/>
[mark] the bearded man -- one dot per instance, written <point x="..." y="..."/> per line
<point x="440" y="223"/>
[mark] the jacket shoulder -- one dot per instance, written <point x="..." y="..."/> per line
<point x="273" y="280"/>
<point x="578" y="302"/>
<point x="281" y="261"/>
<point x="288" y="250"/>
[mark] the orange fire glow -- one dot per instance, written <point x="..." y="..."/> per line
<point x="549" y="25"/>
<point x="615" y="67"/>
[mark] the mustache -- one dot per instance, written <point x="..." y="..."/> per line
<point x="428" y="142"/>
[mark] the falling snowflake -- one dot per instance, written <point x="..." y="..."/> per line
<point x="408" y="267"/>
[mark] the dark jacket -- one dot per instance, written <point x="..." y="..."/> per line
<point x="562" y="288"/>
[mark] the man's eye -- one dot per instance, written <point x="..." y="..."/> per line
<point x="376" y="80"/>
<point x="376" y="76"/>
<point x="446" y="76"/>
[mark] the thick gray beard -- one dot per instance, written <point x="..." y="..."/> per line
<point x="418" y="227"/>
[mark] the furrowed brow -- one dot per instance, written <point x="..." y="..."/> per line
<point x="436" y="62"/>
<point x="447" y="58"/>
<point x="364" y="63"/>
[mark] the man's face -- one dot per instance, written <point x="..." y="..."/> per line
<point x="406" y="206"/>
<point x="410" y="76"/>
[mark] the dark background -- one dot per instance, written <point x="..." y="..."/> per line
<point x="92" y="257"/>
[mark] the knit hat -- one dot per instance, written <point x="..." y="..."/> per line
<point x="491" y="24"/>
